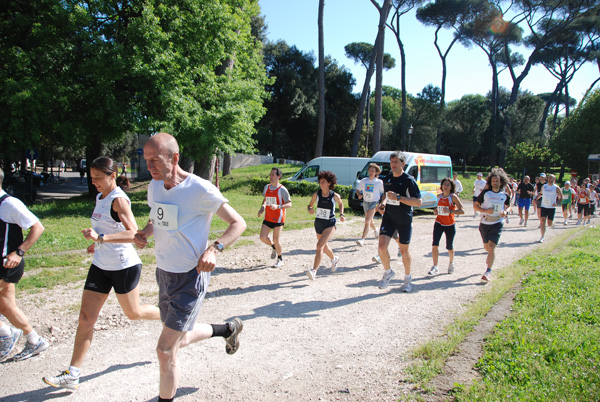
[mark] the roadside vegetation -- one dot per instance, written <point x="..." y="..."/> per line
<point x="547" y="348"/>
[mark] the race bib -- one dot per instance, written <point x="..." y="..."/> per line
<point x="271" y="200"/>
<point x="369" y="196"/>
<point x="497" y="209"/>
<point x="164" y="216"/>
<point x="323" y="213"/>
<point x="442" y="211"/>
<point x="393" y="202"/>
<point x="547" y="202"/>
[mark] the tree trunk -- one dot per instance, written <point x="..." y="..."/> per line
<point x="205" y="167"/>
<point x="186" y="163"/>
<point x="383" y="12"/>
<point x="227" y="161"/>
<point x="321" y="122"/>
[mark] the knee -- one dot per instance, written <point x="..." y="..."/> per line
<point x="165" y="353"/>
<point x="265" y="239"/>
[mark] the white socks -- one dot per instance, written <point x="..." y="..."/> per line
<point x="33" y="337"/>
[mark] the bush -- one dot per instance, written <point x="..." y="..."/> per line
<point x="302" y="188"/>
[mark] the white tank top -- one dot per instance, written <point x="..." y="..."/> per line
<point x="111" y="256"/>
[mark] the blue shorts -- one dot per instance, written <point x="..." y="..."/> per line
<point x="388" y="227"/>
<point x="102" y="281"/>
<point x="490" y="232"/>
<point x="524" y="203"/>
<point x="369" y="205"/>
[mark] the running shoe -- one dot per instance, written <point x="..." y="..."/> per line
<point x="451" y="268"/>
<point x="232" y="342"/>
<point x="433" y="271"/>
<point x="542" y="240"/>
<point x="8" y="343"/>
<point x="31" y="350"/>
<point x="565" y="222"/>
<point x="377" y="260"/>
<point x="387" y="277"/>
<point x="578" y="222"/>
<point x="278" y="263"/>
<point x="273" y="254"/>
<point x="487" y="276"/>
<point x="63" y="380"/>
<point x="311" y="273"/>
<point x="521" y="221"/>
<point x="376" y="232"/>
<point x="525" y="225"/>
<point x="360" y="242"/>
<point x="334" y="263"/>
<point x="407" y="285"/>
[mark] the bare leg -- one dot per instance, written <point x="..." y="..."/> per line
<point x="264" y="235"/>
<point x="91" y="304"/>
<point x="130" y="303"/>
<point x="384" y="242"/>
<point x="406" y="258"/>
<point x="9" y="308"/>
<point x="276" y="235"/>
<point x="322" y="246"/>
<point x="368" y="222"/>
<point x="167" y="349"/>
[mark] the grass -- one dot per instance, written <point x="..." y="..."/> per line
<point x="547" y="349"/>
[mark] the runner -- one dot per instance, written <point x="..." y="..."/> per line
<point x="115" y="265"/>
<point x="525" y="191"/>
<point x="509" y="190"/>
<point x="370" y="190"/>
<point x="534" y="202"/>
<point x="593" y="197"/>
<point x="575" y="189"/>
<point x="276" y="199"/>
<point x="448" y="206"/>
<point x="583" y="204"/>
<point x="325" y="199"/>
<point x="402" y="194"/>
<point x="493" y="203"/>
<point x="457" y="183"/>
<point x="181" y="209"/>
<point x="567" y="200"/>
<point x="551" y="196"/>
<point x="14" y="217"/>
<point x="538" y="196"/>
<point x="478" y="186"/>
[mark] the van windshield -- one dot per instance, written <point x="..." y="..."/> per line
<point x="385" y="169"/>
<point x="429" y="174"/>
<point x="307" y="172"/>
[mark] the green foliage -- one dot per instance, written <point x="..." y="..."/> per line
<point x="302" y="188"/>
<point x="525" y="117"/>
<point x="529" y="157"/>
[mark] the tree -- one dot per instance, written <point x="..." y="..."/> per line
<point x="321" y="123"/>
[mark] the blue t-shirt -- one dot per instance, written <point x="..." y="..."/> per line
<point x="406" y="186"/>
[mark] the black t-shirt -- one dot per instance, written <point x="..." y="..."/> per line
<point x="406" y="186"/>
<point x="524" y="188"/>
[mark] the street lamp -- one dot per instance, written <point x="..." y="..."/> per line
<point x="410" y="131"/>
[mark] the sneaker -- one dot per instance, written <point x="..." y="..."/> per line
<point x="525" y="225"/>
<point x="376" y="232"/>
<point x="278" y="263"/>
<point x="377" y="260"/>
<point x="334" y="263"/>
<point x="311" y="273"/>
<point x="360" y="242"/>
<point x="232" y="342"/>
<point x="542" y="240"/>
<point x="273" y="254"/>
<point x="8" y="343"/>
<point x="406" y="286"/>
<point x="433" y="271"/>
<point x="63" y="380"/>
<point x="521" y="221"/>
<point x="578" y="222"/>
<point x="451" y="268"/>
<point x="387" y="277"/>
<point x="565" y="222"/>
<point x="31" y="350"/>
<point x="487" y="276"/>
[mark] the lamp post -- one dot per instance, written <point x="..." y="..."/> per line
<point x="410" y="131"/>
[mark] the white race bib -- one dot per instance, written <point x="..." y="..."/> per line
<point x="393" y="202"/>
<point x="369" y="196"/>
<point x="441" y="210"/>
<point x="547" y="202"/>
<point x="323" y="213"/>
<point x="497" y="209"/>
<point x="271" y="200"/>
<point x="164" y="216"/>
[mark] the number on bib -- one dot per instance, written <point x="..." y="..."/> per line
<point x="546" y="202"/>
<point x="442" y="211"/>
<point x="271" y="200"/>
<point x="164" y="216"/>
<point x="323" y="213"/>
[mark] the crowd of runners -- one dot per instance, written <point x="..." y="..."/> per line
<point x="181" y="209"/>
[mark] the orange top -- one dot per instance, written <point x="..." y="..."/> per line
<point x="445" y="218"/>
<point x="274" y="197"/>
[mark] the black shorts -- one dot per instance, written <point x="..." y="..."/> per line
<point x="491" y="232"/>
<point x="272" y="225"/>
<point x="12" y="275"/>
<point x="583" y="209"/>
<point x="547" y="213"/>
<point x="322" y="224"/>
<point x="438" y="230"/>
<point x="123" y="280"/>
<point x="389" y="227"/>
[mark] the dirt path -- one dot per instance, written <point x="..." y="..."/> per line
<point x="339" y="338"/>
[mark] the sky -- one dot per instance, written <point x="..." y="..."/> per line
<point x="347" y="21"/>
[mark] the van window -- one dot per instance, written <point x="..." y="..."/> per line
<point x="385" y="170"/>
<point x="308" y="172"/>
<point x="434" y="174"/>
<point x="413" y="171"/>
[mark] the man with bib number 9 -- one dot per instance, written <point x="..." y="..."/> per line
<point x="181" y="209"/>
<point x="551" y="196"/>
<point x="494" y="205"/>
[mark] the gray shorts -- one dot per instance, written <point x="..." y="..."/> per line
<point x="369" y="205"/>
<point x="180" y="297"/>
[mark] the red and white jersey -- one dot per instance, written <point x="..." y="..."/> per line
<point x="276" y="196"/>
<point x="445" y="218"/>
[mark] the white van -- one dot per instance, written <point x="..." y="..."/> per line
<point x="345" y="169"/>
<point x="427" y="169"/>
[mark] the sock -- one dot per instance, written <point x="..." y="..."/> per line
<point x="165" y="399"/>
<point x="4" y="330"/>
<point x="33" y="337"/>
<point x="279" y="257"/>
<point x="272" y="245"/>
<point x="75" y="371"/>
<point x="221" y="330"/>
<point x="409" y="277"/>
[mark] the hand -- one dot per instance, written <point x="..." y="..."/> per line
<point x="208" y="260"/>
<point x="342" y="219"/>
<point x="381" y="208"/>
<point x="90" y="234"/>
<point x="311" y="211"/>
<point x="140" y="239"/>
<point x="91" y="249"/>
<point x="12" y="260"/>
<point x="359" y="195"/>
<point x="503" y="213"/>
<point x="435" y="211"/>
<point x="392" y="196"/>
<point x="260" y="211"/>
<point x="274" y="207"/>
<point x="489" y="211"/>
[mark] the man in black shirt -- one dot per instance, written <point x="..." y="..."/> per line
<point x="525" y="191"/>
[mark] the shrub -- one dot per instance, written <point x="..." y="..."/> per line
<point x="302" y="188"/>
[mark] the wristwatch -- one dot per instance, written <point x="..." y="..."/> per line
<point x="101" y="238"/>
<point x="20" y="252"/>
<point x="219" y="246"/>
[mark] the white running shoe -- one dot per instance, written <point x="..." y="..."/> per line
<point x="334" y="263"/>
<point x="433" y="271"/>
<point x="278" y="263"/>
<point x="387" y="277"/>
<point x="311" y="273"/>
<point x="451" y="268"/>
<point x="8" y="343"/>
<point x="360" y="242"/>
<point x="63" y="380"/>
<point x="487" y="276"/>
<point x="542" y="240"/>
<point x="525" y="225"/>
<point x="377" y="259"/>
<point x="31" y="350"/>
<point x="407" y="285"/>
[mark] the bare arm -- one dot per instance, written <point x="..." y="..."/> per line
<point x="35" y="231"/>
<point x="456" y="201"/>
<point x="338" y="199"/>
<point x="311" y="210"/>
<point x="123" y="209"/>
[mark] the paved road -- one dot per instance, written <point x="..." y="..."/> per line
<point x="71" y="187"/>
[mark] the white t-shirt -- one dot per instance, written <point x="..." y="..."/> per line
<point x="478" y="186"/>
<point x="371" y="189"/>
<point x="458" y="187"/>
<point x="549" y="195"/>
<point x="181" y="217"/>
<point x="14" y="211"/>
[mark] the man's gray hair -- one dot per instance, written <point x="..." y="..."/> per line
<point x="398" y="154"/>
